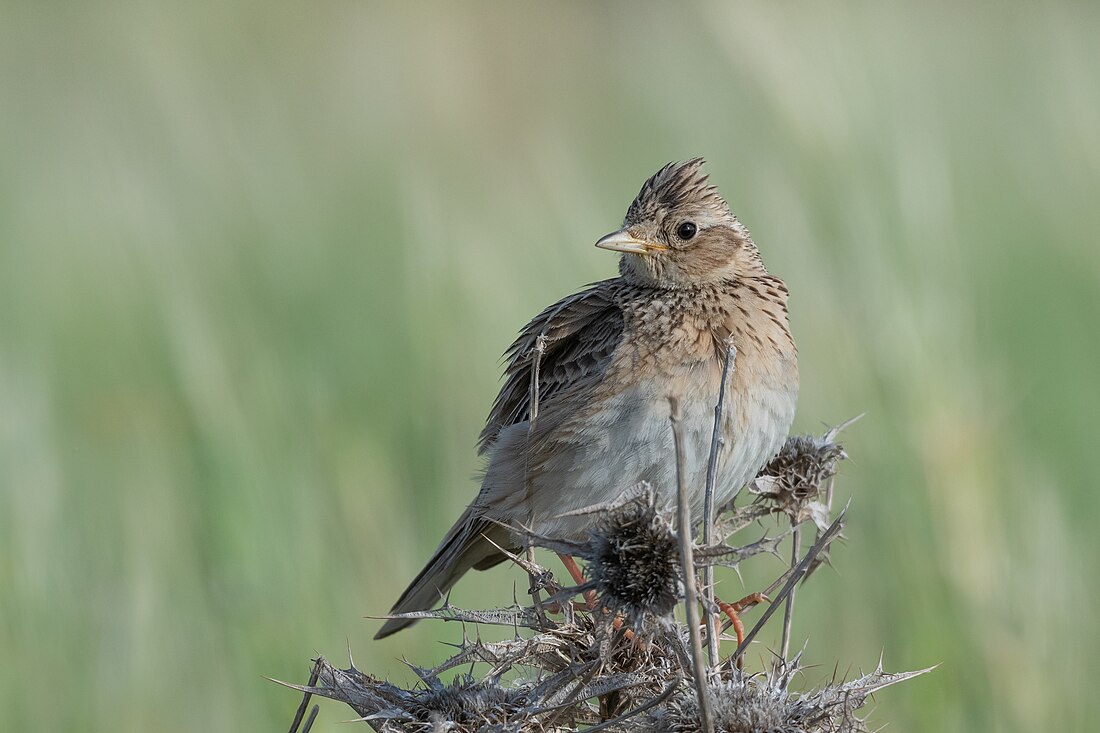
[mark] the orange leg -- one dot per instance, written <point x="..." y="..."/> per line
<point x="578" y="578"/>
<point x="733" y="611"/>
<point x="589" y="595"/>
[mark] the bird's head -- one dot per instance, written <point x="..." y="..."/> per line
<point x="679" y="232"/>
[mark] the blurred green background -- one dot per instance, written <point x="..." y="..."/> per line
<point x="257" y="264"/>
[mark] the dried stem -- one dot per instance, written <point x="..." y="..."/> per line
<point x="540" y="349"/>
<point x="312" y="717"/>
<point x="793" y="578"/>
<point x="716" y="442"/>
<point x="788" y="611"/>
<point x="687" y="562"/>
<point x="300" y="713"/>
<point x="638" y="710"/>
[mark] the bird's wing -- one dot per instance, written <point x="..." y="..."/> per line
<point x="582" y="331"/>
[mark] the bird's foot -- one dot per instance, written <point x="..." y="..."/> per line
<point x="733" y="613"/>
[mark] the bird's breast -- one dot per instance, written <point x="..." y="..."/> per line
<point x="627" y="437"/>
<point x="619" y="432"/>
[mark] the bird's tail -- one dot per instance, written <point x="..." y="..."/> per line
<point x="465" y="546"/>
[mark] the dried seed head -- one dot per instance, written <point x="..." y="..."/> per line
<point x="739" y="706"/>
<point x="465" y="704"/>
<point x="635" y="561"/>
<point x="794" y="481"/>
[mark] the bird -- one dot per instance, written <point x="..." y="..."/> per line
<point x="691" y="285"/>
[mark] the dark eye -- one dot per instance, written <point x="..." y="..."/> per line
<point x="686" y="230"/>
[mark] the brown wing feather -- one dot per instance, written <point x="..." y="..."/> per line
<point x="582" y="332"/>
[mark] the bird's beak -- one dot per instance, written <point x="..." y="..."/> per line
<point x="623" y="241"/>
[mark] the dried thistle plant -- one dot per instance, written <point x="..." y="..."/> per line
<point x="633" y="561"/>
<point x="632" y="555"/>
<point x="765" y="704"/>
<point x="626" y="663"/>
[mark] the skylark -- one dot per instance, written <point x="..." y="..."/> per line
<point x="690" y="277"/>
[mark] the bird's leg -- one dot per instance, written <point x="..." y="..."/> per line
<point x="578" y="578"/>
<point x="733" y="612"/>
<point x="590" y="595"/>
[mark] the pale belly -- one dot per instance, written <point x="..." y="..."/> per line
<point x="630" y="440"/>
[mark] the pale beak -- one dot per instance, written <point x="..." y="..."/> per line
<point x="622" y="241"/>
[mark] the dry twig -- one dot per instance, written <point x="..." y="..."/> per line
<point x="716" y="442"/>
<point x="687" y="562"/>
<point x="788" y="611"/>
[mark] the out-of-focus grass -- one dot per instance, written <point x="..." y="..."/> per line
<point x="256" y="265"/>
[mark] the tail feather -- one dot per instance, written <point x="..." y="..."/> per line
<point x="464" y="547"/>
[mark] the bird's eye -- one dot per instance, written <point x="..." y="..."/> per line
<point x="686" y="230"/>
